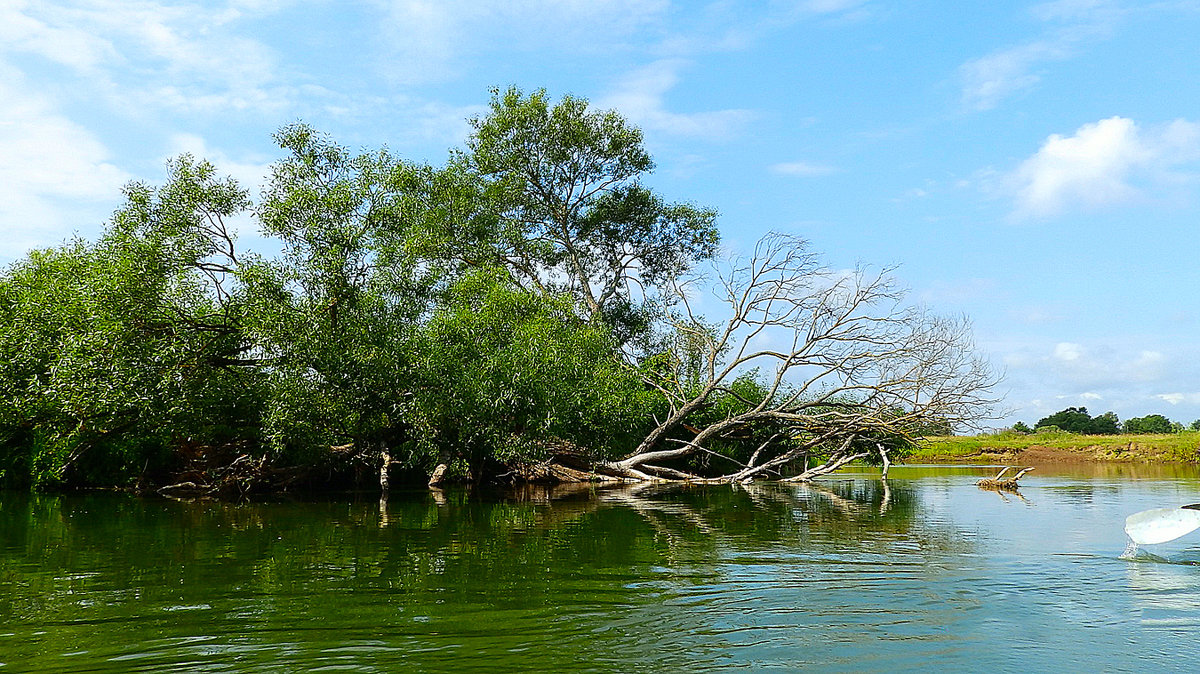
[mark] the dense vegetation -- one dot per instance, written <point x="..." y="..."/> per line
<point x="522" y="311"/>
<point x="1077" y="420"/>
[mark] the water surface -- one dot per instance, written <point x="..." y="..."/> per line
<point x="848" y="575"/>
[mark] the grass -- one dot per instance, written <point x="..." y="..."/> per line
<point x="1171" y="447"/>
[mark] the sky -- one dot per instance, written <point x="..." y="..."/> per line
<point x="1032" y="166"/>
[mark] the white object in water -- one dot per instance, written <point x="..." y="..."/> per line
<point x="1162" y="524"/>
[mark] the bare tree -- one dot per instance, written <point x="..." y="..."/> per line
<point x="847" y="371"/>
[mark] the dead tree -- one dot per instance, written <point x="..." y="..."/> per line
<point x="999" y="484"/>
<point x="850" y="371"/>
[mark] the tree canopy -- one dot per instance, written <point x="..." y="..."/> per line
<point x="1151" y="423"/>
<point x="523" y="311"/>
<point x="1077" y="420"/>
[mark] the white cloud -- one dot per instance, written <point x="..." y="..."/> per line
<point x="1179" y="398"/>
<point x="1131" y="378"/>
<point x="989" y="79"/>
<point x="432" y="40"/>
<point x="802" y="169"/>
<point x="1067" y="352"/>
<point x="72" y="46"/>
<point x="140" y="54"/>
<point x="1075" y="366"/>
<point x="641" y="96"/>
<point x="55" y="176"/>
<point x="1104" y="163"/>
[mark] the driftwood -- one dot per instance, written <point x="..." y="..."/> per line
<point x="999" y="484"/>
<point x="228" y="471"/>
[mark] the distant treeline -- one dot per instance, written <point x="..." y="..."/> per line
<point x="1077" y="420"/>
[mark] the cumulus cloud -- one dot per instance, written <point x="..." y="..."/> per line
<point x="641" y="96"/>
<point x="1108" y="162"/>
<point x="1130" y="379"/>
<point x="1180" y="398"/>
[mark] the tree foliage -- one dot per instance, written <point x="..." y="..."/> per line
<point x="524" y="309"/>
<point x="1077" y="420"/>
<point x="1151" y="423"/>
<point x="572" y="214"/>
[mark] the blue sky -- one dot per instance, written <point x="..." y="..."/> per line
<point x="1034" y="166"/>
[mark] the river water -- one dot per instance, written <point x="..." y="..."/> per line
<point x="848" y="575"/>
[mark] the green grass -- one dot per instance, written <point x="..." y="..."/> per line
<point x="1171" y="447"/>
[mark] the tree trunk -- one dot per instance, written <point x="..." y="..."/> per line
<point x="438" y="476"/>
<point x="385" y="463"/>
<point x="828" y="467"/>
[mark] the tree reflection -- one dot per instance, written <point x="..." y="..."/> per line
<point x="534" y="568"/>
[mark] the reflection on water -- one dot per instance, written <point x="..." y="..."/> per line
<point x="852" y="574"/>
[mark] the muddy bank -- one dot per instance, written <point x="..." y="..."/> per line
<point x="1131" y="452"/>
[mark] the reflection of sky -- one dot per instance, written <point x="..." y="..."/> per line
<point x="975" y="580"/>
<point x="1050" y="566"/>
<point x="778" y="577"/>
<point x="1167" y="596"/>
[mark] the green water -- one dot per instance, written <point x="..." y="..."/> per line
<point x="847" y="576"/>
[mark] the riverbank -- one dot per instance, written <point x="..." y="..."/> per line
<point x="1061" y="447"/>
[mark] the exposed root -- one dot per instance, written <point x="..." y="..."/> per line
<point x="228" y="471"/>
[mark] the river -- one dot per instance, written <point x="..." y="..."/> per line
<point x="848" y="575"/>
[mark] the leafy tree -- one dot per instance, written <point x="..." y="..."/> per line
<point x="1072" y="419"/>
<point x="1077" y="420"/>
<point x="511" y="377"/>
<point x="1194" y="426"/>
<point x="573" y="216"/>
<point x="523" y="305"/>
<point x="334" y="318"/>
<point x="1021" y="427"/>
<point x="119" y="350"/>
<point x="1105" y="424"/>
<point x="1153" y="423"/>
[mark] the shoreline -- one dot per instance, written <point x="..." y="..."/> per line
<point x="1062" y="448"/>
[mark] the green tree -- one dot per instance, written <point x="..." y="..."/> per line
<point x="1105" y="424"/>
<point x="334" y="319"/>
<point x="1021" y="427"/>
<point x="118" y="351"/>
<point x="1153" y="423"/>
<point x="1072" y="419"/>
<point x="511" y="377"/>
<point x="572" y="214"/>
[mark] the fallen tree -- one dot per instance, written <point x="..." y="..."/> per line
<point x="525" y="312"/>
<point x="851" y="373"/>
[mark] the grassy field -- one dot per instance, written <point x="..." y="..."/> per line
<point x="1062" y="446"/>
